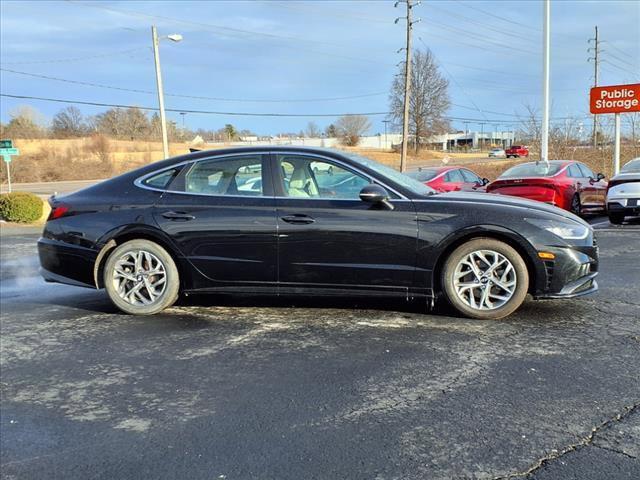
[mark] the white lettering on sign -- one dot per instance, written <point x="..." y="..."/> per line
<point x="625" y="93"/>
<point x="617" y="99"/>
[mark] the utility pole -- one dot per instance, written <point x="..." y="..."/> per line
<point x="596" y="63"/>
<point x="481" y="136"/>
<point x="163" y="118"/>
<point x="546" y="34"/>
<point x="407" y="86"/>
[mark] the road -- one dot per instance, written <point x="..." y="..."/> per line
<point x="221" y="388"/>
<point x="49" y="188"/>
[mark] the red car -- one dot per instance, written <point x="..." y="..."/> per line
<point x="450" y="179"/>
<point x="517" y="151"/>
<point x="566" y="184"/>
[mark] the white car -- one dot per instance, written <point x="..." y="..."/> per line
<point x="497" y="152"/>
<point x="623" y="194"/>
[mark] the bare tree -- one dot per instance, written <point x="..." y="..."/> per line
<point x="351" y="127"/>
<point x="313" y="131"/>
<point x="26" y="122"/>
<point x="68" y="122"/>
<point x="429" y="99"/>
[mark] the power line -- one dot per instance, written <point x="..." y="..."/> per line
<point x="178" y="110"/>
<point x="493" y="15"/>
<point x="292" y="42"/>
<point x="619" y="59"/>
<point x="78" y="59"/>
<point x="197" y="97"/>
<point x="246" y="114"/>
<point x="635" y="74"/>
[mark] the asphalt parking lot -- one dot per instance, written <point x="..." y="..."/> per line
<point x="296" y="389"/>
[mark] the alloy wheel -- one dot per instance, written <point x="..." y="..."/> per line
<point x="139" y="277"/>
<point x="484" y="280"/>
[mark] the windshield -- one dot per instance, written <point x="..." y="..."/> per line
<point x="532" y="170"/>
<point x="423" y="175"/>
<point x="631" y="167"/>
<point x="387" y="172"/>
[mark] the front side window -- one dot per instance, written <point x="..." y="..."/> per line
<point x="586" y="171"/>
<point x="470" y="177"/>
<point x="305" y="177"/>
<point x="574" y="171"/>
<point x="226" y="176"/>
<point x="453" y="176"/>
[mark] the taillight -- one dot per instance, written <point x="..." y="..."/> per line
<point x="58" y="211"/>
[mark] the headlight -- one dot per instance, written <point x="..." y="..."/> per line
<point x="566" y="230"/>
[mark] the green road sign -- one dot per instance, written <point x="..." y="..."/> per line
<point x="6" y="143"/>
<point x="9" y="151"/>
<point x="6" y="158"/>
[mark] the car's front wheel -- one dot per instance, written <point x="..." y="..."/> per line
<point x="485" y="279"/>
<point x="616" y="218"/>
<point x="141" y="278"/>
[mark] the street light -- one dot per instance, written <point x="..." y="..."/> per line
<point x="174" y="37"/>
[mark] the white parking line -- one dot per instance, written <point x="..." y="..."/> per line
<point x="604" y="222"/>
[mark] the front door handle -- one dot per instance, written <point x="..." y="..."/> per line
<point x="298" y="219"/>
<point x="179" y="216"/>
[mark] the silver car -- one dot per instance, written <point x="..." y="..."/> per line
<point x="623" y="195"/>
<point x="497" y="152"/>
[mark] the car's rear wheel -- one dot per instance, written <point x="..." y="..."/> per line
<point x="141" y="278"/>
<point x="616" y="218"/>
<point x="485" y="279"/>
<point x="576" y="208"/>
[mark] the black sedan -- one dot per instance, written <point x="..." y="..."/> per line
<point x="300" y="221"/>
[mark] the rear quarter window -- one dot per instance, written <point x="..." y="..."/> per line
<point x="161" y="180"/>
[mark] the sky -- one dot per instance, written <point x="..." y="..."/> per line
<point x="304" y="57"/>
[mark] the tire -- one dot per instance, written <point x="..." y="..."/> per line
<point x="470" y="289"/>
<point x="616" y="218"/>
<point x="129" y="285"/>
<point x="575" y="206"/>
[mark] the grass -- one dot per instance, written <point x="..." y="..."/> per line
<point x="96" y="157"/>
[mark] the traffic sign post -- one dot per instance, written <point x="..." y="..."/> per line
<point x="7" y="151"/>
<point x="615" y="99"/>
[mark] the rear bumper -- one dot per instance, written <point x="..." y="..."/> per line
<point x="627" y="206"/>
<point x="66" y="263"/>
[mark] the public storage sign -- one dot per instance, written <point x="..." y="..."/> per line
<point x="615" y="99"/>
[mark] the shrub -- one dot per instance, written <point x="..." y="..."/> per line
<point x="20" y="207"/>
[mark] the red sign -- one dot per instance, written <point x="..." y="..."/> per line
<point x="616" y="99"/>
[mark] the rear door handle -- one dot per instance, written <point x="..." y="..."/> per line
<point x="298" y="219"/>
<point x="180" y="216"/>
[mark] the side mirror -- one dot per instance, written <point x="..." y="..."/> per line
<point x="600" y="176"/>
<point x="375" y="194"/>
<point x="485" y="181"/>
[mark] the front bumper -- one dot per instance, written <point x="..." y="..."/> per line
<point x="571" y="274"/>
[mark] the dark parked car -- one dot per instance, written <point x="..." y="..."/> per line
<point x="187" y="225"/>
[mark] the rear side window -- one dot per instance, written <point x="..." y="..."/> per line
<point x="423" y="175"/>
<point x="162" y="179"/>
<point x="230" y="176"/>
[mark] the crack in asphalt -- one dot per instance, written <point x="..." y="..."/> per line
<point x="583" y="442"/>
<point x="615" y="451"/>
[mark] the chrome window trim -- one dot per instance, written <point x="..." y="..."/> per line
<point x="138" y="182"/>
